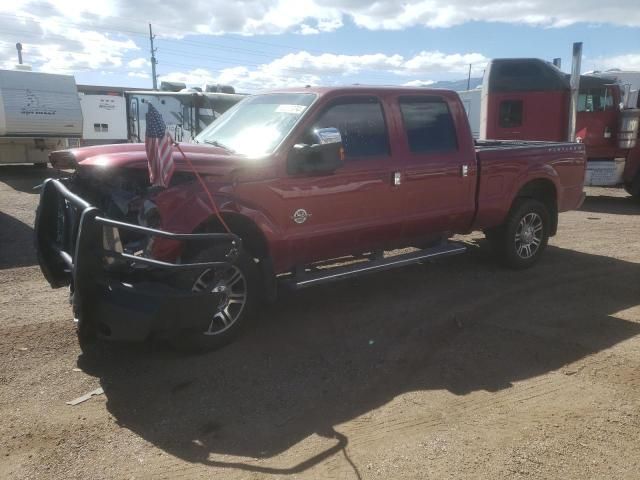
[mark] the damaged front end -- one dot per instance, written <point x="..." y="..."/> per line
<point x="97" y="237"/>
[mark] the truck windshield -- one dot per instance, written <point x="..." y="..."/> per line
<point x="256" y="126"/>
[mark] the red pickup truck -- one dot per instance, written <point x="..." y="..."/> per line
<point x="315" y="185"/>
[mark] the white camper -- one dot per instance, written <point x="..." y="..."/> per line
<point x="185" y="113"/>
<point x="471" y="101"/>
<point x="104" y="118"/>
<point x="39" y="113"/>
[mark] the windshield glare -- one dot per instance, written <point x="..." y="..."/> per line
<point x="257" y="125"/>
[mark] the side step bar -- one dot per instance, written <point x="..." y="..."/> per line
<point x="326" y="275"/>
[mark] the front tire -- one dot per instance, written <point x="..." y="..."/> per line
<point x="238" y="287"/>
<point x="523" y="237"/>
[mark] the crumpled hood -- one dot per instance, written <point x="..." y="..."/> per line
<point x="206" y="159"/>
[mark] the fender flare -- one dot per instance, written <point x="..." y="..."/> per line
<point x="548" y="176"/>
<point x="545" y="172"/>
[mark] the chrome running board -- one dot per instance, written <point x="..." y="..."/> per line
<point x="325" y="275"/>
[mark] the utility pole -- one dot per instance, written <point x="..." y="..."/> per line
<point x="154" y="62"/>
<point x="469" y="78"/>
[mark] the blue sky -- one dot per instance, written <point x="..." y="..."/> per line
<point x="256" y="44"/>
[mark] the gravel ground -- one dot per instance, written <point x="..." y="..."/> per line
<point x="455" y="369"/>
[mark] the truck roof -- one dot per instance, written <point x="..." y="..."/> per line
<point x="319" y="90"/>
<point x="165" y="93"/>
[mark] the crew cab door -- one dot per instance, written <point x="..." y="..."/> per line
<point x="438" y="174"/>
<point x="356" y="208"/>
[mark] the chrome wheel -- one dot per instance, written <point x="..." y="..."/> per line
<point x="529" y="235"/>
<point x="231" y="284"/>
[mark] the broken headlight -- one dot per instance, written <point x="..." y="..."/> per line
<point x="149" y="215"/>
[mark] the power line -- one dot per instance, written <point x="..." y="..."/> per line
<point x="208" y="45"/>
<point x="226" y="48"/>
<point x="55" y="36"/>
<point x="217" y="60"/>
<point x="120" y="30"/>
<point x="184" y="41"/>
<point x="75" y="24"/>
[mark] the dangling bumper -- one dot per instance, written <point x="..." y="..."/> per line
<point x="123" y="296"/>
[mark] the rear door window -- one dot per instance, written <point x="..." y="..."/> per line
<point x="361" y="124"/>
<point x="428" y="125"/>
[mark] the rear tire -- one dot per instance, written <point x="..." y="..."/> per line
<point x="520" y="241"/>
<point x="236" y="309"/>
<point x="633" y="188"/>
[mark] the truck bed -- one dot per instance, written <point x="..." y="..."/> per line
<point x="505" y="166"/>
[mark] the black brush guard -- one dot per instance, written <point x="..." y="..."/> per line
<point x="115" y="294"/>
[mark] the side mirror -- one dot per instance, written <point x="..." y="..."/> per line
<point x="325" y="156"/>
<point x="324" y="136"/>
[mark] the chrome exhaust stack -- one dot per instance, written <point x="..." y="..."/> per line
<point x="575" y="88"/>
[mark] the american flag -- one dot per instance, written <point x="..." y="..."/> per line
<point x="158" y="144"/>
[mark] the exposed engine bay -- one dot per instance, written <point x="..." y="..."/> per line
<point x="126" y="195"/>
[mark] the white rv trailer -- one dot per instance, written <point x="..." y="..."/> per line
<point x="471" y="101"/>
<point x="185" y="113"/>
<point x="39" y="113"/>
<point x="104" y="117"/>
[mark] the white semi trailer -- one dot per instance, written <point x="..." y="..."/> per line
<point x="39" y="113"/>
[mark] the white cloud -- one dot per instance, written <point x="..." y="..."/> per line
<point x="304" y="68"/>
<point x="138" y="63"/>
<point x="433" y="62"/>
<point x="307" y="30"/>
<point x="329" y="63"/>
<point x="277" y="16"/>
<point x="249" y="17"/>
<point x="242" y="78"/>
<point x="394" y="15"/>
<point x="58" y="47"/>
<point x="138" y="75"/>
<point x="630" y="61"/>
<point x="72" y="36"/>
<point x="95" y="51"/>
<point x="418" y="83"/>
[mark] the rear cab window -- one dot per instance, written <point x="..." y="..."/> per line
<point x="362" y="126"/>
<point x="511" y="112"/>
<point x="428" y="125"/>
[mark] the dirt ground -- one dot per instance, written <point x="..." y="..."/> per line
<point x="456" y="369"/>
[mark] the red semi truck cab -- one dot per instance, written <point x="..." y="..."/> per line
<point x="528" y="99"/>
<point x="315" y="185"/>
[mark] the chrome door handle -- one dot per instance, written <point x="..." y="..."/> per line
<point x="464" y="170"/>
<point x="397" y="179"/>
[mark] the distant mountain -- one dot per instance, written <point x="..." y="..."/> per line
<point x="457" y="85"/>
